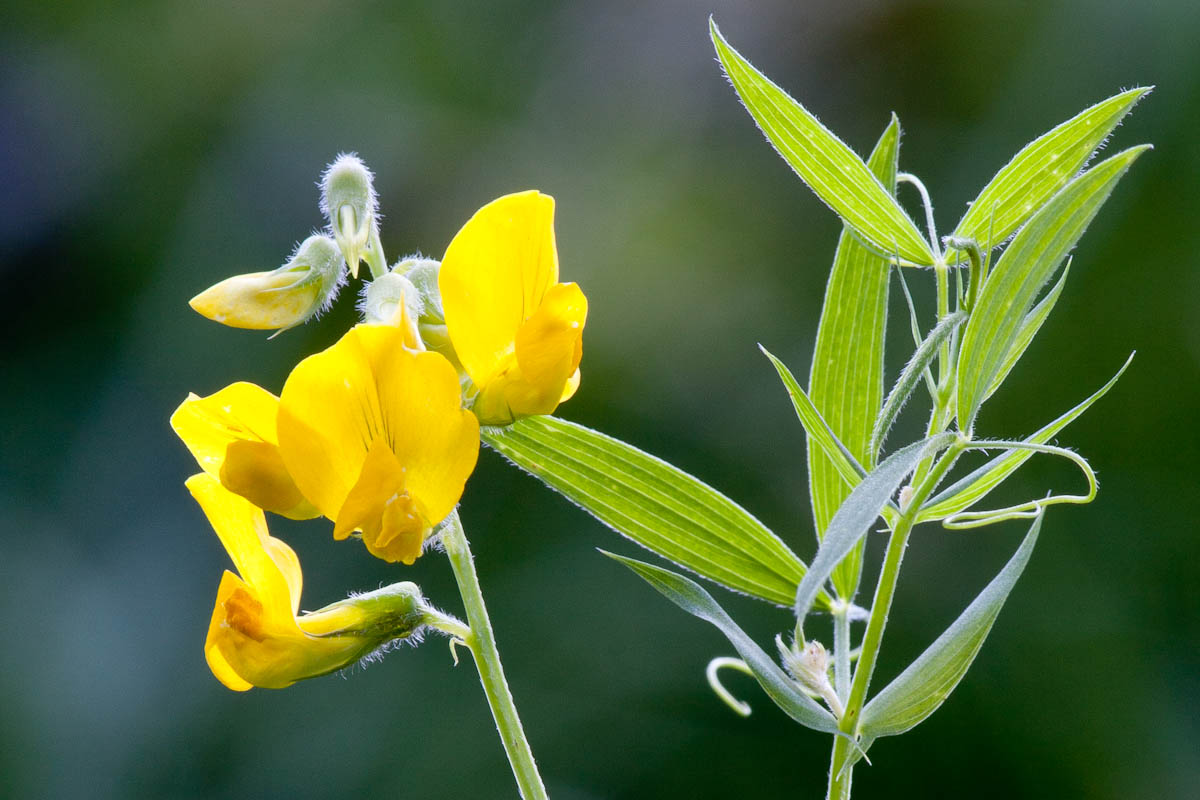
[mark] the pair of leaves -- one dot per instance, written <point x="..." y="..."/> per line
<point x="1028" y="262"/>
<point x="655" y="504"/>
<point x="843" y="182"/>
<point x="909" y="699"/>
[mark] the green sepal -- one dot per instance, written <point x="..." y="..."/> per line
<point x="657" y="505"/>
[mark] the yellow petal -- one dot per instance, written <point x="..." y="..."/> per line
<point x="242" y="528"/>
<point x="232" y="435"/>
<point x="392" y="524"/>
<point x="493" y="277"/>
<point x="366" y="387"/>
<point x="260" y="300"/>
<point x="217" y="662"/>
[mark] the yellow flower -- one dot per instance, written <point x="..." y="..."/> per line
<point x="255" y="637"/>
<point x="279" y="299"/>
<point x="375" y="436"/>
<point x="233" y="437"/>
<point x="516" y="330"/>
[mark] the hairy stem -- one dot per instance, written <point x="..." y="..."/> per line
<point x="482" y="643"/>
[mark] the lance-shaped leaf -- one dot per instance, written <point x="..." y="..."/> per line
<point x="1029" y="327"/>
<point x="858" y="514"/>
<point x="775" y="682"/>
<point x="1041" y="168"/>
<point x="846" y="381"/>
<point x="655" y="504"/>
<point x="972" y="488"/>
<point x="823" y="161"/>
<point x="910" y="376"/>
<point x="1034" y="254"/>
<point x="927" y="682"/>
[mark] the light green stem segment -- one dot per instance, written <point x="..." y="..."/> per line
<point x="482" y="643"/>
<point x="376" y="260"/>
<point x="840" y="771"/>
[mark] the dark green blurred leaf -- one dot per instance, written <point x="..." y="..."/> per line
<point x="655" y="504"/>
<point x="1041" y="168"/>
<point x="846" y="381"/>
<point x="927" y="682"/>
<point x="1026" y="264"/>
<point x="823" y="161"/>
<point x="775" y="682"/>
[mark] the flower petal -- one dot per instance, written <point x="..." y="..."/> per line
<point x="217" y="662"/>
<point x="242" y="528"/>
<point x="232" y="435"/>
<point x="365" y="388"/>
<point x="493" y="277"/>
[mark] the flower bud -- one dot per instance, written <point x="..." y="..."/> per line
<point x="279" y="299"/>
<point x="423" y="274"/>
<point x="349" y="203"/>
<point x="392" y="300"/>
<point x="809" y="667"/>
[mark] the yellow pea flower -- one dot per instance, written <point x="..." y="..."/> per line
<point x="256" y="637"/>
<point x="375" y="436"/>
<point x="279" y="299"/>
<point x="517" y="331"/>
<point x="233" y="437"/>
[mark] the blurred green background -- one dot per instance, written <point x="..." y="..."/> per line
<point x="148" y="150"/>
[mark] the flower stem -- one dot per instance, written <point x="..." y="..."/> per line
<point x="840" y="770"/>
<point x="482" y="643"/>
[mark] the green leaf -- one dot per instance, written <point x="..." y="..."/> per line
<point x="775" y="682"/>
<point x="972" y="488"/>
<point x="910" y="376"/>
<point x="927" y="682"/>
<point x="843" y="461"/>
<point x="823" y="161"/>
<point x="1041" y="168"/>
<point x="655" y="504"/>
<point x="1034" y="254"/>
<point x="1029" y="327"/>
<point x="846" y="381"/>
<point x="859" y="512"/>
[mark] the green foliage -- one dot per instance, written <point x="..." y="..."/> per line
<point x="977" y="338"/>
<point x="1041" y="168"/>
<point x="846" y="380"/>
<point x="926" y="683"/>
<point x="1025" y="266"/>
<point x="658" y="506"/>
<point x="775" y="682"/>
<point x="824" y="162"/>
<point x="859" y="512"/>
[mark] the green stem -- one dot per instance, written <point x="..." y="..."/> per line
<point x="376" y="260"/>
<point x="840" y="772"/>
<point x="482" y="643"/>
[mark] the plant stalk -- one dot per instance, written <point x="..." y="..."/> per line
<point x="482" y="643"/>
<point x="840" y="770"/>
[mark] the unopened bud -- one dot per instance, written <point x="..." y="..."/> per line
<point x="279" y="299"/>
<point x="423" y="273"/>
<point x="809" y="667"/>
<point x="349" y="203"/>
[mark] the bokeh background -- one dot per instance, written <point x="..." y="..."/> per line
<point x="149" y="149"/>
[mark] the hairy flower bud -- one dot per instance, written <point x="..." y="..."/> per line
<point x="279" y="299"/>
<point x="349" y="203"/>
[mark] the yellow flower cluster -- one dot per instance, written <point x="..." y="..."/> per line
<point x="377" y="434"/>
